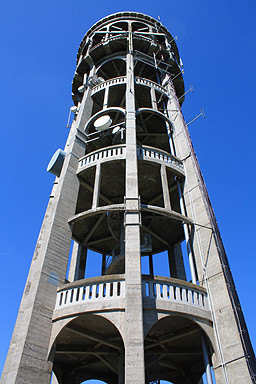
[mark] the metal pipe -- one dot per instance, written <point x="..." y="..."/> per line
<point x="206" y="361"/>
<point x="187" y="237"/>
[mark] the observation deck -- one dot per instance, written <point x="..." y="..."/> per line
<point x="108" y="293"/>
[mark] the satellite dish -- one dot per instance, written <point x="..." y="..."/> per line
<point x="102" y="123"/>
<point x="56" y="162"/>
<point x="115" y="130"/>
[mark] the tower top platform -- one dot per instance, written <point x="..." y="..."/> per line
<point x="128" y="15"/>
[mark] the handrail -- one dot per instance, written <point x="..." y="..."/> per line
<point x="158" y="154"/>
<point x="176" y="291"/>
<point x="112" y="287"/>
<point x="113" y="81"/>
<point x="101" y="154"/>
<point x="150" y="83"/>
<point x="88" y="291"/>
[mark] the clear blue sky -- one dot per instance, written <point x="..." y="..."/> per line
<point x="39" y="41"/>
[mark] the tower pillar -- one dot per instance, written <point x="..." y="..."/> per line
<point x="134" y="348"/>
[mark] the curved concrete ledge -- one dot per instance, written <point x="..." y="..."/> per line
<point x="114" y="152"/>
<point x="107" y="294"/>
<point x="120" y="37"/>
<point x="118" y="152"/>
<point x="104" y="293"/>
<point x="151" y="84"/>
<point x="173" y="295"/>
<point x="127" y="15"/>
<point x="109" y="83"/>
<point x="159" y="156"/>
<point x="96" y="211"/>
<point x="165" y="212"/>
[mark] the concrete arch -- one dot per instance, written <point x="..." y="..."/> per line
<point x="203" y="323"/>
<point x="173" y="349"/>
<point x="111" y="63"/>
<point x="116" y="318"/>
<point x="86" y="347"/>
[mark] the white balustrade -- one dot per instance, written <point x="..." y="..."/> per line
<point x="110" y="82"/>
<point x="87" y="293"/>
<point x="101" y="155"/>
<point x="150" y="83"/>
<point x="119" y="152"/>
<point x="161" y="290"/>
<point x="177" y="292"/>
<point x="150" y="153"/>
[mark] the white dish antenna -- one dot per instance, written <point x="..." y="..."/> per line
<point x="102" y="123"/>
<point x="116" y="129"/>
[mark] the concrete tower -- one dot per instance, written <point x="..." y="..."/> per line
<point x="129" y="188"/>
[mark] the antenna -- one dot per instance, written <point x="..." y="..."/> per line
<point x="181" y="72"/>
<point x="190" y="89"/>
<point x="175" y="38"/>
<point x="201" y="114"/>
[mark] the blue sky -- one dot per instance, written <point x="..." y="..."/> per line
<point x="39" y="42"/>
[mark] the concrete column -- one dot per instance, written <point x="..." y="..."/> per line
<point x="96" y="190"/>
<point x="169" y="132"/>
<point x="73" y="263"/>
<point x="231" y="358"/>
<point x="134" y="341"/>
<point x="153" y="98"/>
<point x="27" y="359"/>
<point x="106" y="95"/>
<point x="78" y="263"/>
<point x="179" y="262"/>
<point x="121" y="369"/>
<point x="172" y="263"/>
<point x="103" y="265"/>
<point x="151" y="268"/>
<point x="166" y="193"/>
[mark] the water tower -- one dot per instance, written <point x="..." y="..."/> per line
<point x="129" y="188"/>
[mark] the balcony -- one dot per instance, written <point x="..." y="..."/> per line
<point x="94" y="294"/>
<point x="108" y="293"/>
<point x="118" y="152"/>
<point x="107" y="83"/>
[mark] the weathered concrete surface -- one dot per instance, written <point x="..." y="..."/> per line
<point x="209" y="268"/>
<point x="134" y="347"/>
<point x="27" y="360"/>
